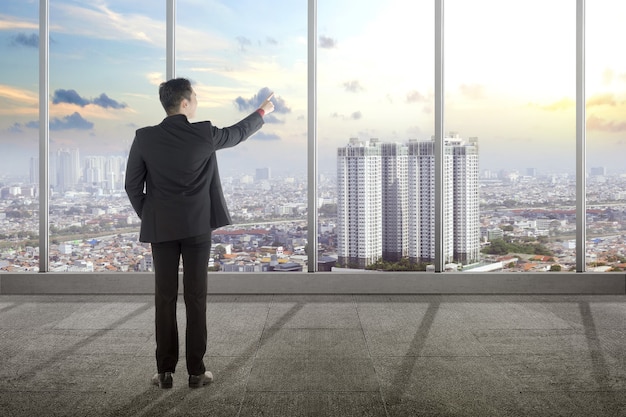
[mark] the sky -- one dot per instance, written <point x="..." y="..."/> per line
<point x="509" y="76"/>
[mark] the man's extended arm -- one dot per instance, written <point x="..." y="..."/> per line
<point x="231" y="136"/>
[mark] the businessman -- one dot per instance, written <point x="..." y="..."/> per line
<point x="173" y="183"/>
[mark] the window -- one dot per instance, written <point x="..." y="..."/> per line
<point x="19" y="137"/>
<point x="509" y="111"/>
<point x="510" y="99"/>
<point x="606" y="131"/>
<point x="106" y="62"/>
<point x="375" y="94"/>
<point x="248" y="51"/>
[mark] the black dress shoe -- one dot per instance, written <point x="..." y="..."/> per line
<point x="197" y="381"/>
<point x="164" y="380"/>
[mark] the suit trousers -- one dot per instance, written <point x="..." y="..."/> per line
<point x="166" y="257"/>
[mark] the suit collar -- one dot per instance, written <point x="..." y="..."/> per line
<point x="175" y="119"/>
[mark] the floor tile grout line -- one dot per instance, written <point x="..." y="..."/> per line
<point x="245" y="388"/>
<point x="271" y="331"/>
<point x="369" y="354"/>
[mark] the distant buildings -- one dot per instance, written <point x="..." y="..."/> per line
<point x="385" y="202"/>
<point x="263" y="174"/>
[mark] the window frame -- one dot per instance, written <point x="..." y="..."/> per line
<point x="428" y="282"/>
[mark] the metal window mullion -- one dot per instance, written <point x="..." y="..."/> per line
<point x="312" y="136"/>
<point x="170" y="42"/>
<point x="439" y="168"/>
<point x="44" y="136"/>
<point x="581" y="163"/>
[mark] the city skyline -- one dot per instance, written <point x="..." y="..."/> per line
<point x="520" y="207"/>
<point x="375" y="76"/>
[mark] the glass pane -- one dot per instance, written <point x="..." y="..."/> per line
<point x="510" y="83"/>
<point x="606" y="130"/>
<point x="375" y="103"/>
<point x="247" y="51"/>
<point x="19" y="137"/>
<point x="106" y="61"/>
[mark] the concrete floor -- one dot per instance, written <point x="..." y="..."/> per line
<point x="343" y="355"/>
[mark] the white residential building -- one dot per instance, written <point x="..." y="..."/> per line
<point x="386" y="202"/>
<point x="465" y="199"/>
<point x="359" y="203"/>
<point x="395" y="215"/>
<point x="421" y="181"/>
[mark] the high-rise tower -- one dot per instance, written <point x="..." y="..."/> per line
<point x="395" y="214"/>
<point x="359" y="203"/>
<point x="386" y="201"/>
<point x="465" y="200"/>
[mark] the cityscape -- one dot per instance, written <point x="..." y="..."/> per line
<point x="525" y="221"/>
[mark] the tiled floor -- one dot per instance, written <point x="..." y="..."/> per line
<point x="287" y="355"/>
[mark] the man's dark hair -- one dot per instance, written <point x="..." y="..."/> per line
<point x="172" y="93"/>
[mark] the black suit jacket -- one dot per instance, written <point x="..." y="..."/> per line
<point x="172" y="179"/>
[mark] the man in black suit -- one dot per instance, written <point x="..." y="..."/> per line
<point x="173" y="183"/>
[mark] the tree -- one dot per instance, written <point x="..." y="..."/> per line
<point x="328" y="210"/>
<point x="220" y="251"/>
<point x="555" y="268"/>
<point x="497" y="247"/>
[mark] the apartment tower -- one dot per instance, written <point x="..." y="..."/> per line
<point x="386" y="201"/>
<point x="394" y="193"/>
<point x="359" y="203"/>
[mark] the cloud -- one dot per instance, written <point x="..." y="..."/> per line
<point x="601" y="100"/>
<point x="16" y="128"/>
<point x="607" y="76"/>
<point x="354" y="116"/>
<point x="72" y="97"/>
<point x="327" y="43"/>
<point x="73" y="121"/>
<point x="353" y="86"/>
<point x="106" y="102"/>
<point x="155" y="78"/>
<point x="415" y="96"/>
<point x="24" y="97"/>
<point x="29" y="41"/>
<point x="271" y="41"/>
<point x="243" y="42"/>
<point x="253" y="103"/>
<point x="473" y="91"/>
<point x="272" y="119"/>
<point x="12" y="22"/>
<point x="265" y="136"/>
<point x="563" y="104"/>
<point x="97" y="20"/>
<point x="598" y="124"/>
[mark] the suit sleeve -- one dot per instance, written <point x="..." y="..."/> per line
<point x="233" y="135"/>
<point x="135" y="178"/>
